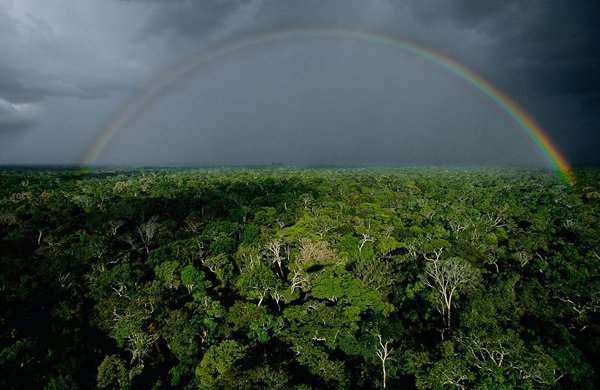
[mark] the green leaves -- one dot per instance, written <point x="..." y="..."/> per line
<point x="112" y="374"/>
<point x="334" y="284"/>
<point x="256" y="282"/>
<point x="193" y="279"/>
<point x="218" y="362"/>
<point x="283" y="278"/>
<point x="168" y="274"/>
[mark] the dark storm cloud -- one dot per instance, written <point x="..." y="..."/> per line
<point x="63" y="57"/>
<point x="529" y="47"/>
<point x="188" y="18"/>
<point x="64" y="53"/>
<point x="27" y="85"/>
<point x="208" y="16"/>
<point x="543" y="54"/>
<point x="549" y="46"/>
<point x="17" y="116"/>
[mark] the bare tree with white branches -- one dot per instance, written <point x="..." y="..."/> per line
<point x="447" y="276"/>
<point x="383" y="352"/>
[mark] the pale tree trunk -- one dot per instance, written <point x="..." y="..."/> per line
<point x="383" y="353"/>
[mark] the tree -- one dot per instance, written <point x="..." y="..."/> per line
<point x="218" y="362"/>
<point x="112" y="374"/>
<point x="274" y="246"/>
<point x="147" y="231"/>
<point x="192" y="278"/>
<point x="447" y="276"/>
<point x="167" y="274"/>
<point x="256" y="282"/>
<point x="220" y="266"/>
<point x="376" y="274"/>
<point x="383" y="353"/>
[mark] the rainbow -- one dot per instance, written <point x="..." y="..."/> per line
<point x="194" y="63"/>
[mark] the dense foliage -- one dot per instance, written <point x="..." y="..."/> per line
<point x="299" y="278"/>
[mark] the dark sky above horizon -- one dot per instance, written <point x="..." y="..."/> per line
<point x="67" y="67"/>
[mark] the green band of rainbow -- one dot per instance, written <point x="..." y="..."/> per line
<point x="190" y="65"/>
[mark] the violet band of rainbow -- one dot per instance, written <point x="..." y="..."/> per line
<point x="156" y="88"/>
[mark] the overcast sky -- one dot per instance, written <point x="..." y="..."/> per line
<point x="68" y="67"/>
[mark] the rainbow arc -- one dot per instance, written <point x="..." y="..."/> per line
<point x="155" y="89"/>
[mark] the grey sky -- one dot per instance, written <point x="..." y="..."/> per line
<point x="68" y="66"/>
